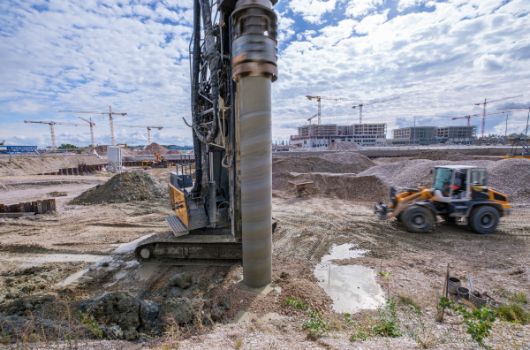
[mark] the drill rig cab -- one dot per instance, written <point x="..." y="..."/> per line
<point x="225" y="216"/>
<point x="459" y="195"/>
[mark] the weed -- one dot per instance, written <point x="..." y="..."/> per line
<point x="298" y="304"/>
<point x="315" y="325"/>
<point x="238" y="343"/>
<point x="514" y="313"/>
<point x="519" y="298"/>
<point x="479" y="322"/>
<point x="406" y="300"/>
<point x="359" y="334"/>
<point x="384" y="274"/>
<point x="92" y="325"/>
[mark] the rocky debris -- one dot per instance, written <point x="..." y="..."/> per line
<point x="121" y="315"/>
<point x="179" y="310"/>
<point x="330" y="162"/>
<point x="43" y="304"/>
<point x="343" y="186"/>
<point x="123" y="188"/>
<point x="182" y="280"/>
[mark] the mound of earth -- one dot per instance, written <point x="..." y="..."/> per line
<point x="154" y="148"/>
<point x="123" y="188"/>
<point x="283" y="164"/>
<point x="343" y="186"/>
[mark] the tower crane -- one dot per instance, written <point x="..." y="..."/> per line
<point x="92" y="125"/>
<point x="469" y="116"/>
<point x="110" y="114"/>
<point x="486" y="102"/>
<point x="148" y="128"/>
<point x="51" y="124"/>
<point x="527" y="117"/>
<point x="311" y="118"/>
<point x="361" y="105"/>
<point x="319" y="103"/>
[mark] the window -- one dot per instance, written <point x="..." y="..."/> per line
<point x="478" y="177"/>
<point x="442" y="180"/>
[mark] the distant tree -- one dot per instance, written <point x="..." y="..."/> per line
<point x="67" y="146"/>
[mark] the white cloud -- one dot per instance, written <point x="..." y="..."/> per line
<point x="312" y="10"/>
<point x="359" y="8"/>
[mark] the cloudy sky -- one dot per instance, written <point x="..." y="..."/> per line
<point x="439" y="57"/>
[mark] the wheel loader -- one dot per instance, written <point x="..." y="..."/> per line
<point x="459" y="195"/>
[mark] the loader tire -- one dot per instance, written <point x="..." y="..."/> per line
<point x="484" y="219"/>
<point x="418" y="219"/>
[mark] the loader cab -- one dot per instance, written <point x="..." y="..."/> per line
<point x="459" y="181"/>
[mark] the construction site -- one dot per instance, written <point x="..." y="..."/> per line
<point x="340" y="239"/>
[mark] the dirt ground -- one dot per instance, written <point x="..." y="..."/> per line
<point x="85" y="253"/>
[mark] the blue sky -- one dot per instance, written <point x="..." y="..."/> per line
<point x="439" y="56"/>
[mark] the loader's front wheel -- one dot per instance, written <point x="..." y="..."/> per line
<point x="418" y="219"/>
<point x="484" y="219"/>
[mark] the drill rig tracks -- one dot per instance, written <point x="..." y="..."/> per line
<point x="196" y="248"/>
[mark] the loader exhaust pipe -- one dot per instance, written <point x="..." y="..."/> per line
<point x="254" y="69"/>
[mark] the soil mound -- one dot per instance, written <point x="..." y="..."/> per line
<point x="333" y="162"/>
<point x="154" y="148"/>
<point x="343" y="186"/>
<point x="123" y="188"/>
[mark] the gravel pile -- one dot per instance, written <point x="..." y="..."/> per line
<point x="123" y="188"/>
<point x="284" y="164"/>
<point x="511" y="176"/>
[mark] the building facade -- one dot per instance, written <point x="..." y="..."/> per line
<point x="417" y="135"/>
<point x="324" y="135"/>
<point x="428" y="135"/>
<point x="457" y="134"/>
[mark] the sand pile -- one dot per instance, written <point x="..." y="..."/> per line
<point x="343" y="186"/>
<point x="333" y="162"/>
<point x="154" y="148"/>
<point x="511" y="176"/>
<point x="122" y="188"/>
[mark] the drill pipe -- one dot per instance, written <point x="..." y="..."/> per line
<point x="256" y="178"/>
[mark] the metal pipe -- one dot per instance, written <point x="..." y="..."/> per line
<point x="256" y="178"/>
<point x="254" y="69"/>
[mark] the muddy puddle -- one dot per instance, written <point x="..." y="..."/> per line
<point x="351" y="287"/>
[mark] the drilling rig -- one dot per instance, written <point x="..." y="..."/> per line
<point x="225" y="216"/>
